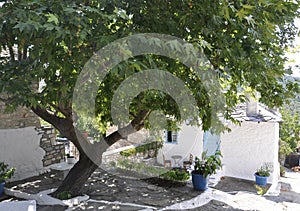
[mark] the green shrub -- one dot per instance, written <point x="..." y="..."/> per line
<point x="5" y="172"/>
<point x="176" y="175"/>
<point x="154" y="145"/>
<point x="64" y="195"/>
<point x="261" y="190"/>
<point x="289" y="133"/>
<point x="128" y="152"/>
<point x="139" y="167"/>
<point x="282" y="171"/>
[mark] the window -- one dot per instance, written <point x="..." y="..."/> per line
<point x="171" y="137"/>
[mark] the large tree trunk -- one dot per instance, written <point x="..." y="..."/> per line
<point x="77" y="177"/>
<point x="83" y="169"/>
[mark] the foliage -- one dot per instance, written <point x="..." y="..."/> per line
<point x="138" y="167"/>
<point x="176" y="175"/>
<point x="282" y="171"/>
<point x="239" y="39"/>
<point x="261" y="190"/>
<point x="264" y="170"/>
<point x="208" y="165"/>
<point x="90" y="126"/>
<point x="289" y="132"/>
<point x="5" y="172"/>
<point x="50" y="41"/>
<point x="128" y="152"/>
<point x="155" y="145"/>
<point x="65" y="195"/>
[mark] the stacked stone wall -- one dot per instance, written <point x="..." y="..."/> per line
<point x="55" y="151"/>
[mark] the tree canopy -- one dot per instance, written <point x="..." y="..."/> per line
<point x="51" y="41"/>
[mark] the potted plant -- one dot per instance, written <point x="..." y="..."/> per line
<point x="262" y="174"/>
<point x="70" y="159"/>
<point x="5" y="173"/>
<point x="204" y="167"/>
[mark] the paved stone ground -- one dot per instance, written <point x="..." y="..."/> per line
<point x="110" y="192"/>
<point x="104" y="187"/>
<point x="233" y="185"/>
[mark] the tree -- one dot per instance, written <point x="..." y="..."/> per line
<point x="290" y="127"/>
<point x="52" y="40"/>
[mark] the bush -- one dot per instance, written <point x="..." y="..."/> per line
<point x="176" y="175"/>
<point x="64" y="195"/>
<point x="282" y="171"/>
<point x="128" y="152"/>
<point x="289" y="133"/>
<point x="154" y="145"/>
<point x="5" y="172"/>
<point x="261" y="190"/>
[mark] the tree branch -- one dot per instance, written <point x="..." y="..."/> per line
<point x="64" y="125"/>
<point x="135" y="125"/>
<point x="59" y="109"/>
<point x="45" y="115"/>
<point x="11" y="52"/>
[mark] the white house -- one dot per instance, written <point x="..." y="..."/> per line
<point x="245" y="148"/>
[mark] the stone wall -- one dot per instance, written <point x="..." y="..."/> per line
<point x="21" y="118"/>
<point x="54" y="151"/>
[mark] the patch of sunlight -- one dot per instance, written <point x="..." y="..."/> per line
<point x="33" y="183"/>
<point x="116" y="207"/>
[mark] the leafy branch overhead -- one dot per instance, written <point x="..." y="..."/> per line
<point x="49" y="42"/>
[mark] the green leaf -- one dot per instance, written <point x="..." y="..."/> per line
<point x="52" y="18"/>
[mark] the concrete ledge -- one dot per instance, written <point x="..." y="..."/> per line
<point x="64" y="167"/>
<point x="43" y="197"/>
<point x="18" y="205"/>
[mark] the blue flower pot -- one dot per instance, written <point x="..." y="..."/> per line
<point x="2" y="188"/>
<point x="199" y="182"/>
<point x="259" y="180"/>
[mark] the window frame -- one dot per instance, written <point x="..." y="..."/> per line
<point x="170" y="136"/>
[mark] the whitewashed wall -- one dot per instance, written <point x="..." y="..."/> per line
<point x="248" y="146"/>
<point x="20" y="149"/>
<point x="190" y="140"/>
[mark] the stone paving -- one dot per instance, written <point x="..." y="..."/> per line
<point x="104" y="188"/>
<point x="111" y="192"/>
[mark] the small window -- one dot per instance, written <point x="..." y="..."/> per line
<point x="171" y="137"/>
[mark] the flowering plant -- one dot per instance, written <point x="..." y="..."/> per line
<point x="208" y="164"/>
<point x="264" y="170"/>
